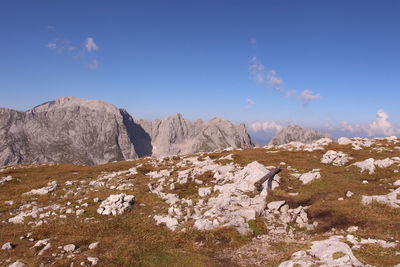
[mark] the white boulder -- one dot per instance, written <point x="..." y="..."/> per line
<point x="7" y="246"/>
<point x="51" y="186"/>
<point x="336" y="158"/>
<point x="344" y="141"/>
<point x="310" y="176"/>
<point x="366" y="165"/>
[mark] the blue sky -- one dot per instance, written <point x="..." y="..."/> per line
<point x="308" y="62"/>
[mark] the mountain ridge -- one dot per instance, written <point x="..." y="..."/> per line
<point x="79" y="131"/>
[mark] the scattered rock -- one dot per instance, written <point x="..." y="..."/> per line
<point x="329" y="252"/>
<point x="8" y="246"/>
<point x="116" y="204"/>
<point x="69" y="248"/>
<point x="93" y="260"/>
<point x="390" y="199"/>
<point x="352" y="229"/>
<point x="336" y="158"/>
<point x="344" y="141"/>
<point x="310" y="176"/>
<point x="51" y="186"/>
<point x="93" y="245"/>
<point x="17" y="264"/>
<point x="170" y="222"/>
<point x="367" y="164"/>
<point x="5" y="179"/>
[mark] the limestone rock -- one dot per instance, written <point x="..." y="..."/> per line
<point x="69" y="248"/>
<point x="344" y="141"/>
<point x="336" y="158"/>
<point x="310" y="176"/>
<point x="116" y="204"/>
<point x="93" y="245"/>
<point x="330" y="252"/>
<point x="93" y="260"/>
<point x="51" y="186"/>
<point x="170" y="222"/>
<point x="391" y="199"/>
<point x="7" y="246"/>
<point x="5" y="179"/>
<point x="17" y="264"/>
<point x="367" y="164"/>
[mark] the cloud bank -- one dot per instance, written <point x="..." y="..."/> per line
<point x="379" y="127"/>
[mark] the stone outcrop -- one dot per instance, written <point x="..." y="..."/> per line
<point x="293" y="133"/>
<point x="336" y="158"/>
<point x="116" y="204"/>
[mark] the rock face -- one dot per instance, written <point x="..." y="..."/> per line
<point x="293" y="133"/>
<point x="78" y="131"/>
<point x="68" y="129"/>
<point x="176" y="135"/>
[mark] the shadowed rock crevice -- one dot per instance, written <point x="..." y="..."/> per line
<point x="137" y="135"/>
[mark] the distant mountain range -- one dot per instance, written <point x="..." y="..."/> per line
<point x="78" y="131"/>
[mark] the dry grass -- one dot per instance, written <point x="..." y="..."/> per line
<point x="133" y="239"/>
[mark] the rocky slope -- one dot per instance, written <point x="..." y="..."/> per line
<point x="293" y="133"/>
<point x="74" y="130"/>
<point x="333" y="204"/>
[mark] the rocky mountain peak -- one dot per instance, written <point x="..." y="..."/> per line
<point x="66" y="102"/>
<point x="296" y="133"/>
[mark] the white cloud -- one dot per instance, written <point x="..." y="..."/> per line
<point x="93" y="65"/>
<point x="78" y="52"/>
<point x="265" y="126"/>
<point x="51" y="45"/>
<point x="257" y="71"/>
<point x="250" y="102"/>
<point x="90" y="45"/>
<point x="381" y="126"/>
<point x="273" y="79"/>
<point x="307" y="95"/>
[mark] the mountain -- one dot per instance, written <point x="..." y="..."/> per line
<point x="78" y="131"/>
<point x="177" y="135"/>
<point x="296" y="133"/>
<point x="69" y="130"/>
